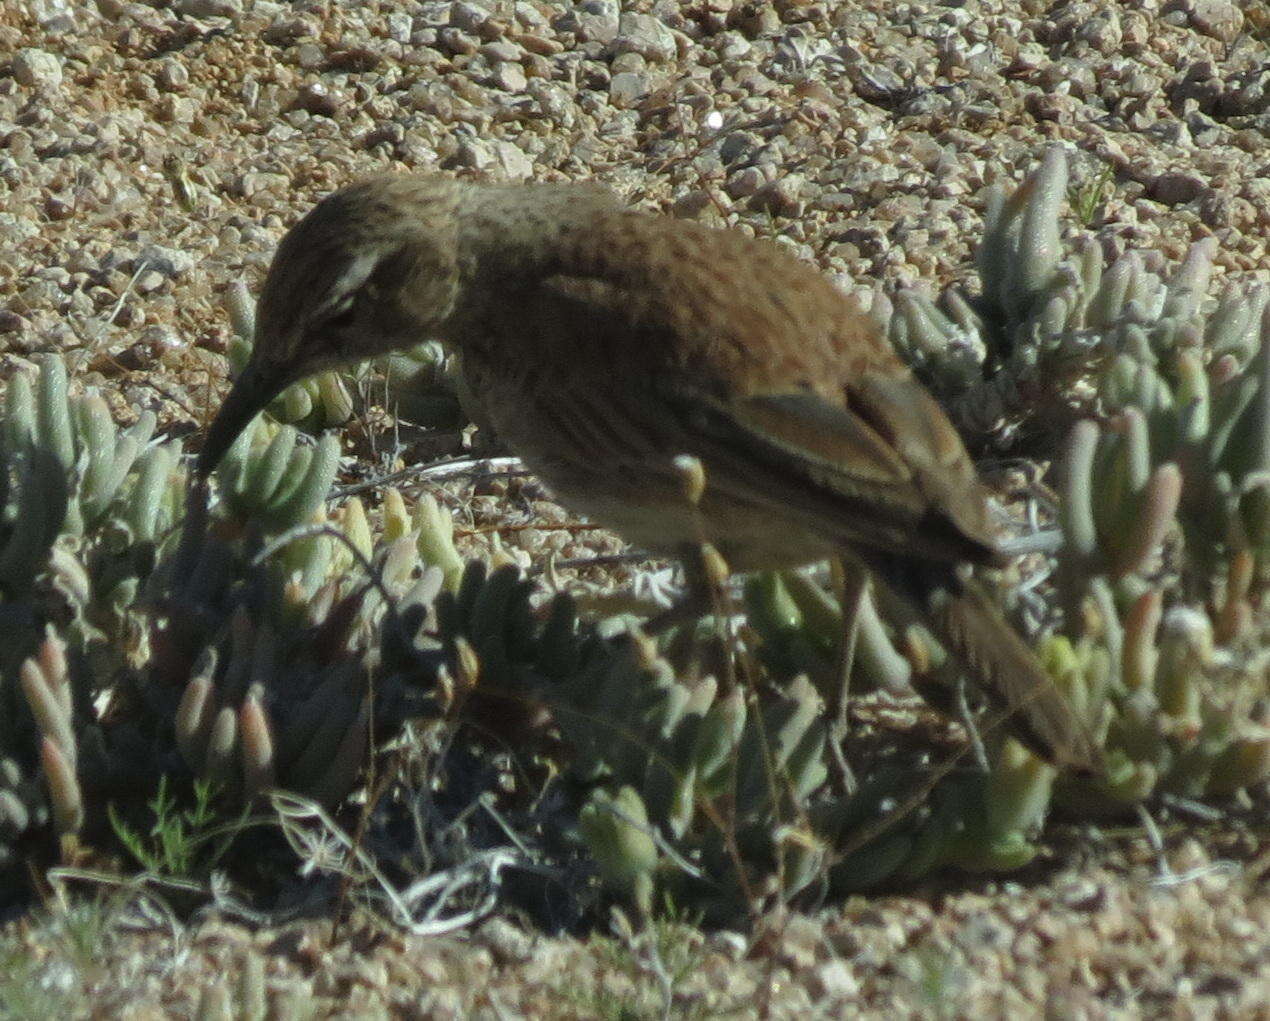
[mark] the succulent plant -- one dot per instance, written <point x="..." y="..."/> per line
<point x="320" y="402"/>
<point x="710" y="795"/>
<point x="144" y="638"/>
<point x="274" y="648"/>
<point x="272" y="639"/>
<point x="425" y="386"/>
<point x="422" y="385"/>
<point x="84" y="510"/>
<point x="269" y="480"/>
<point x="1165" y="396"/>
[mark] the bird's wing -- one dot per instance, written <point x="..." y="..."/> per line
<point x="885" y="471"/>
<point x="779" y="384"/>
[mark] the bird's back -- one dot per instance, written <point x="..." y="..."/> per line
<point x="739" y="310"/>
<point x="730" y="349"/>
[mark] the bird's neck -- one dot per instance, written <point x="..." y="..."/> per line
<point x="510" y="236"/>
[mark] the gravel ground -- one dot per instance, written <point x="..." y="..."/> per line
<point x="152" y="154"/>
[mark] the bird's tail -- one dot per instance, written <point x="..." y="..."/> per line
<point x="992" y="655"/>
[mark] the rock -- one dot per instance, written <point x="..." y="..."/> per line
<point x="875" y="83"/>
<point x="256" y="183"/>
<point x="738" y="146"/>
<point x="745" y="182"/>
<point x="1045" y="106"/>
<point x="1135" y="32"/>
<point x="1217" y="18"/>
<point x="57" y="208"/>
<point x="834" y="981"/>
<point x="317" y="99"/>
<point x="781" y="197"/>
<point x="627" y="88"/>
<point x="148" y="281"/>
<point x="17" y="228"/>
<point x="177" y="109"/>
<point x="210" y="8"/>
<point x="691" y="204"/>
<point x="310" y="56"/>
<point x="539" y="45"/>
<point x="1175" y="187"/>
<point x="799" y="942"/>
<point x="732" y="46"/>
<point x="501" y="49"/>
<point x="497" y="157"/>
<point x="509" y="76"/>
<point x="732" y="945"/>
<point x="468" y="17"/>
<point x="628" y="62"/>
<point x="172" y="76"/>
<point x="171" y="262"/>
<point x="400" y="27"/>
<point x="755" y="20"/>
<point x="645" y="35"/>
<point x="37" y="69"/>
<point x="595" y="21"/>
<point x="287" y="31"/>
<point x="1102" y="33"/>
<point x="456" y="41"/>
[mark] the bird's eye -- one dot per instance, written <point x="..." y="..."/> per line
<point x="343" y="315"/>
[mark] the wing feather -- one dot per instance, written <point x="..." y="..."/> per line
<point x="830" y="468"/>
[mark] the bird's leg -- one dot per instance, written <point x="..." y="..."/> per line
<point x="693" y="604"/>
<point x="855" y="581"/>
<point x="705" y="570"/>
<point x="941" y="681"/>
<point x="972" y="731"/>
<point x="703" y="592"/>
<point x="707" y="594"/>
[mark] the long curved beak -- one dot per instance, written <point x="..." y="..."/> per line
<point x="258" y="384"/>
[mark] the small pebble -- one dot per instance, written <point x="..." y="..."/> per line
<point x="37" y="69"/>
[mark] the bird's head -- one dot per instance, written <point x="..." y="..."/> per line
<point x="371" y="269"/>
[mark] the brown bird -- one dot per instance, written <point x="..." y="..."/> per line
<point x="603" y="343"/>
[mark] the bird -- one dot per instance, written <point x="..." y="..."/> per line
<point x="606" y="344"/>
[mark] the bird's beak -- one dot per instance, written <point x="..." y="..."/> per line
<point x="258" y="384"/>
